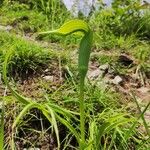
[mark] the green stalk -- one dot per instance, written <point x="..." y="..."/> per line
<point x="82" y="114"/>
<point x="68" y="28"/>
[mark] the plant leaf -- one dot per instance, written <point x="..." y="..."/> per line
<point x="70" y="27"/>
<point x="5" y="64"/>
<point x="54" y="123"/>
<point x="85" y="44"/>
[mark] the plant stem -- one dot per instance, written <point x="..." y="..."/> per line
<point x="82" y="114"/>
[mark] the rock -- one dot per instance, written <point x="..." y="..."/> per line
<point x="94" y="74"/>
<point x="104" y="67"/>
<point x="49" y="78"/>
<point x="46" y="70"/>
<point x="99" y="72"/>
<point x="111" y="71"/>
<point x="6" y="28"/>
<point x="117" y="80"/>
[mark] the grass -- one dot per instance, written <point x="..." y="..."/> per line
<point x="22" y="19"/>
<point x="25" y="19"/>
<point x="111" y="123"/>
<point x="28" y="56"/>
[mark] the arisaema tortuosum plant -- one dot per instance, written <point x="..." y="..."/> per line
<point x="68" y="28"/>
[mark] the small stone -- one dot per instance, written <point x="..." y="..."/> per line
<point x="117" y="80"/>
<point x="104" y="67"/>
<point x="94" y="74"/>
<point x="8" y="28"/>
<point x="47" y="70"/>
<point x="49" y="78"/>
<point x="5" y="28"/>
<point x="111" y="71"/>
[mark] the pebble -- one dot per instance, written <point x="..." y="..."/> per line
<point x="104" y="67"/>
<point x="117" y="80"/>
<point x="47" y="70"/>
<point x="5" y="28"/>
<point x="94" y="74"/>
<point x="49" y="78"/>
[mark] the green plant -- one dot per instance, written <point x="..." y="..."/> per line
<point x="84" y="54"/>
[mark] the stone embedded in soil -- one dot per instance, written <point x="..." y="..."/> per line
<point x="117" y="80"/>
<point x="104" y="67"/>
<point x="94" y="74"/>
<point x="6" y="28"/>
<point x="49" y="78"/>
<point x="98" y="72"/>
<point x="46" y="70"/>
<point x="111" y="71"/>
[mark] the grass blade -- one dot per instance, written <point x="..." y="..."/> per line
<point x="5" y="64"/>
<point x="142" y="116"/>
<point x="134" y="125"/>
<point x="22" y="113"/>
<point x="54" y="123"/>
<point x="69" y="126"/>
<point x="2" y="128"/>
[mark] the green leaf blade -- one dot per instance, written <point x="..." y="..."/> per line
<point x="70" y="27"/>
